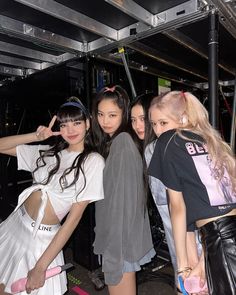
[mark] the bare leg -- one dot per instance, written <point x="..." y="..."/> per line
<point x="127" y="285"/>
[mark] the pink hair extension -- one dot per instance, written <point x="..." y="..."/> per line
<point x="112" y="89"/>
<point x="183" y="95"/>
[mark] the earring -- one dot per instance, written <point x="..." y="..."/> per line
<point x="184" y="119"/>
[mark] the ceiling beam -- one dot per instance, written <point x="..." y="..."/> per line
<point x="147" y="25"/>
<point x="39" y="36"/>
<point x="147" y="69"/>
<point x="9" y="71"/>
<point x="71" y="16"/>
<point x="174" y="17"/>
<point x="19" y="62"/>
<point x="26" y="52"/>
<point x="227" y="14"/>
<point x="134" y="10"/>
<point x="178" y="16"/>
<point x="189" y="43"/>
<point x="165" y="59"/>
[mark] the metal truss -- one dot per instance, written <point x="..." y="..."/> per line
<point x="106" y="38"/>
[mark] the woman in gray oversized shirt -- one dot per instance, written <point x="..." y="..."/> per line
<point x="123" y="235"/>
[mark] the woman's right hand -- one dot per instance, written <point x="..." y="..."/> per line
<point x="35" y="279"/>
<point x="43" y="132"/>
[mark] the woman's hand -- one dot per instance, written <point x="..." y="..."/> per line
<point x="2" y="292"/>
<point x="35" y="279"/>
<point x="43" y="132"/>
<point x="199" y="271"/>
<point x="183" y="273"/>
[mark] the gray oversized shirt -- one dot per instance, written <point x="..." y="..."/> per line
<point x="122" y="224"/>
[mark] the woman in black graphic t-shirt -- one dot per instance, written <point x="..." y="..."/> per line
<point x="199" y="170"/>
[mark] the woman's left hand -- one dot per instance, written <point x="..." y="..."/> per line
<point x="35" y="279"/>
<point x="199" y="271"/>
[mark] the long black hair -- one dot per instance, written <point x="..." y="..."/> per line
<point x="71" y="111"/>
<point x="144" y="100"/>
<point x="120" y="97"/>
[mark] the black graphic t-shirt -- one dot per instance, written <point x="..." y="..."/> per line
<point x="184" y="165"/>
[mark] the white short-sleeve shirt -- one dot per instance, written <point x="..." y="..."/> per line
<point x="62" y="200"/>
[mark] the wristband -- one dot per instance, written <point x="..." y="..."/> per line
<point x="181" y="284"/>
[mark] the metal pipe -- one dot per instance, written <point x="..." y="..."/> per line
<point x="233" y="123"/>
<point x="88" y="82"/>
<point x="122" y="53"/>
<point x="213" y="69"/>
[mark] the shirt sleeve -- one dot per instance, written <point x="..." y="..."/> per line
<point x="27" y="156"/>
<point x="125" y="179"/>
<point x="93" y="171"/>
<point x="163" y="165"/>
<point x="157" y="188"/>
<point x="149" y="152"/>
<point x="124" y="193"/>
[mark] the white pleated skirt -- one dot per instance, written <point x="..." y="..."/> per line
<point x="19" y="251"/>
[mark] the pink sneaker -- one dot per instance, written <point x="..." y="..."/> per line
<point x="192" y="285"/>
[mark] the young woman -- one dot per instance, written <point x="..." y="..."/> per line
<point x="66" y="178"/>
<point x="199" y="171"/>
<point x="147" y="140"/>
<point x="123" y="235"/>
<point x="143" y="133"/>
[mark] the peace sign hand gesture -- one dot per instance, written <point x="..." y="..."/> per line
<point x="43" y="132"/>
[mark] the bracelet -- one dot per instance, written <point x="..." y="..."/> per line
<point x="184" y="269"/>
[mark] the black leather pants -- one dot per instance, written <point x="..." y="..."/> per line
<point x="219" y="244"/>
